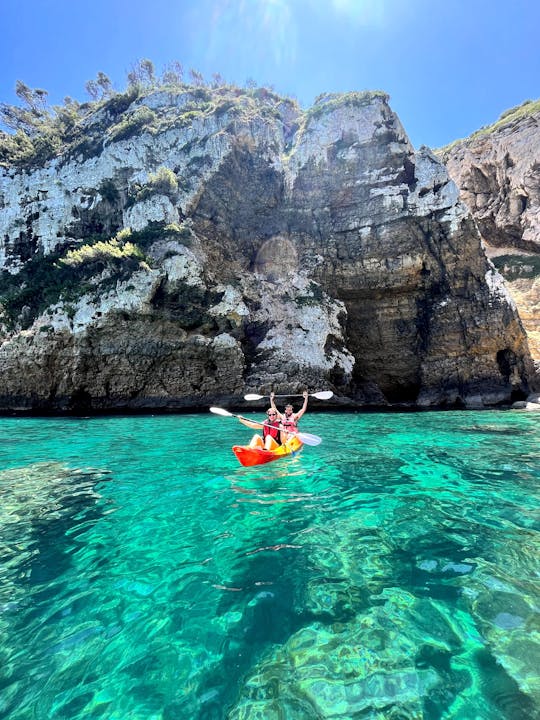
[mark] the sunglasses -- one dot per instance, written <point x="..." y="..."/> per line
<point x="269" y="414"/>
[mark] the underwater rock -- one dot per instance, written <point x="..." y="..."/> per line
<point x="392" y="658"/>
<point x="31" y="497"/>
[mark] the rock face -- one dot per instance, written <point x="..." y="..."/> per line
<point x="498" y="175"/>
<point x="255" y="247"/>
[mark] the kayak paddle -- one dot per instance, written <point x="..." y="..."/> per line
<point x="322" y="395"/>
<point x="306" y="438"/>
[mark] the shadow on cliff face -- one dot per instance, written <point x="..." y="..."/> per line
<point x="186" y="304"/>
<point x="512" y="370"/>
<point x="235" y="216"/>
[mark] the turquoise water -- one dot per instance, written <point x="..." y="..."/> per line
<point x="391" y="572"/>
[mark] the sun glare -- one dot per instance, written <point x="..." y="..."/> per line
<point x="263" y="30"/>
<point x="266" y="39"/>
<point x="364" y="12"/>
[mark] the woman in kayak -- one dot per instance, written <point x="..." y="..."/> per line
<point x="289" y="419"/>
<point x="270" y="439"/>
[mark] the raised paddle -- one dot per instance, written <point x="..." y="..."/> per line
<point x="306" y="438"/>
<point x="322" y="395"/>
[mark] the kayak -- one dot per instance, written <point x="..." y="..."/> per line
<point x="249" y="456"/>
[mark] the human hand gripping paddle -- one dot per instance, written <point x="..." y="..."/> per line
<point x="306" y="438"/>
<point x="322" y="395"/>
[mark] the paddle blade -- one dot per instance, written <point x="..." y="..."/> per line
<point x="221" y="411"/>
<point x="323" y="395"/>
<point x="309" y="439"/>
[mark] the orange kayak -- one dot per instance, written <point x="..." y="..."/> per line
<point x="249" y="456"/>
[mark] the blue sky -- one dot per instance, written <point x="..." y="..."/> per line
<point x="449" y="67"/>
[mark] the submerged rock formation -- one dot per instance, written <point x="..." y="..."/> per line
<point x="254" y="246"/>
<point x="497" y="171"/>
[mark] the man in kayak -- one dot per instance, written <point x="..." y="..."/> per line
<point x="289" y="419"/>
<point x="271" y="435"/>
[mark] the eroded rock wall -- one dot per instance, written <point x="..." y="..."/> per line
<point x="498" y="175"/>
<point x="299" y="250"/>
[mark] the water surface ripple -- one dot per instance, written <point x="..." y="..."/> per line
<point x="389" y="573"/>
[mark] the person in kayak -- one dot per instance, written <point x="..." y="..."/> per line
<point x="271" y="438"/>
<point x="289" y="419"/>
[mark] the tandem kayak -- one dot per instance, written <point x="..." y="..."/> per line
<point x="249" y="456"/>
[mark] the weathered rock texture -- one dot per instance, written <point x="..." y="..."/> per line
<point x="299" y="249"/>
<point x="498" y="175"/>
<point x="497" y="171"/>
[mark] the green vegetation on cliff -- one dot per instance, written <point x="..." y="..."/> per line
<point x="37" y="133"/>
<point x="65" y="276"/>
<point x="162" y="182"/>
<point x="526" y="109"/>
<point x="331" y="101"/>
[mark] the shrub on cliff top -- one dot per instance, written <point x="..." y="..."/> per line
<point x="17" y="149"/>
<point x="331" y="101"/>
<point x="526" y="109"/>
<point x="68" y="129"/>
<point x="119" y="103"/>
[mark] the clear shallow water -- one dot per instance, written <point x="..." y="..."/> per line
<point x="391" y="572"/>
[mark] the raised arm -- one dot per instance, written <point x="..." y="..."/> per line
<point x="274" y="408"/>
<point x="304" y="406"/>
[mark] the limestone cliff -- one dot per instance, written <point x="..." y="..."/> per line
<point x="497" y="171"/>
<point x="201" y="244"/>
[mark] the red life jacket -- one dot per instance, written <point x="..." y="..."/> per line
<point x="272" y="429"/>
